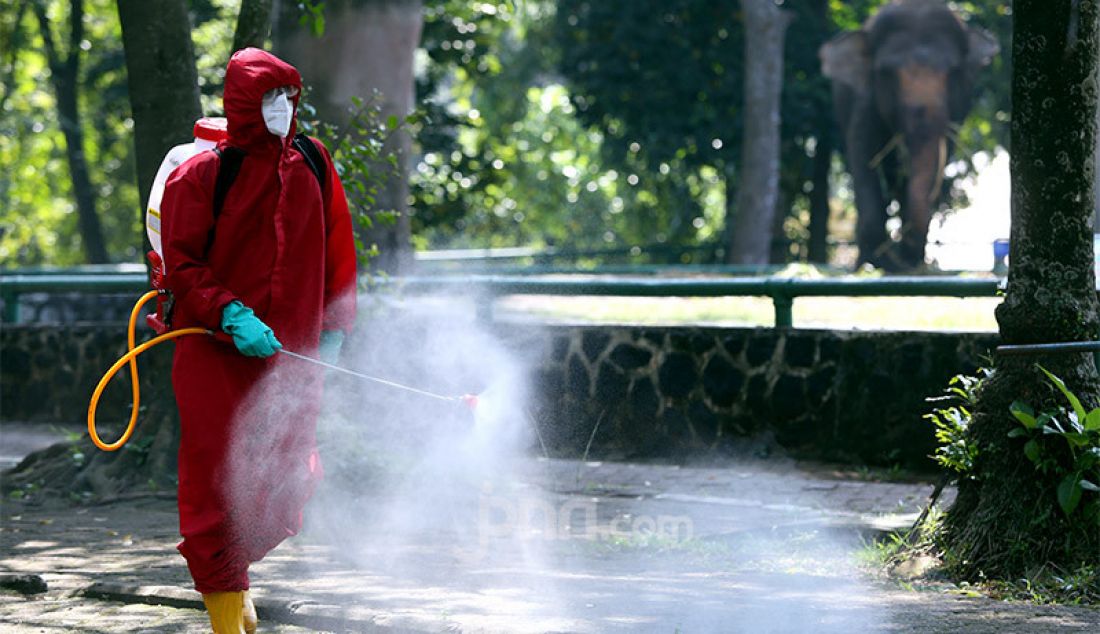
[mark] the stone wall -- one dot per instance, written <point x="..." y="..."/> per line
<point x="666" y="392"/>
<point x="656" y="392"/>
<point x="73" y="308"/>
<point x="48" y="372"/>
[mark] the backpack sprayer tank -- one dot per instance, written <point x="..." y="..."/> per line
<point x="208" y="132"/>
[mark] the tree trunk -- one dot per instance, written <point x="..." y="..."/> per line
<point x="366" y="47"/>
<point x="65" y="77"/>
<point x="253" y="24"/>
<point x="819" y="200"/>
<point x="758" y="191"/>
<point x="164" y="100"/>
<point x="1096" y="176"/>
<point x="779" y="247"/>
<point x="1006" y="521"/>
<point x="163" y="82"/>
<point x="817" y="250"/>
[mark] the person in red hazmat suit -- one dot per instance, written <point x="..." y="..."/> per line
<point x="275" y="268"/>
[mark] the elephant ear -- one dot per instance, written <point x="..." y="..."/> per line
<point x="983" y="48"/>
<point x="846" y="59"/>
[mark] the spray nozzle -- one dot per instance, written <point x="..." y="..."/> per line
<point x="470" y="400"/>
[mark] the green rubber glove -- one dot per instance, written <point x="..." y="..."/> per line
<point x="331" y="343"/>
<point x="252" y="337"/>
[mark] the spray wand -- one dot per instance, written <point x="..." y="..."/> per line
<point x="469" y="399"/>
<point x="130" y="358"/>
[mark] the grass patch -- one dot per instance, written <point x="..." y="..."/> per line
<point x="1051" y="587"/>
<point x="914" y="562"/>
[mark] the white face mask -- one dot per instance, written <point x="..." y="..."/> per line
<point x="278" y="110"/>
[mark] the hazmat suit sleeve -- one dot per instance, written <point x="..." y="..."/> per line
<point x="187" y="222"/>
<point x="340" y="261"/>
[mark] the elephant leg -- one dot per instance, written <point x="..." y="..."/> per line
<point x="871" y="236"/>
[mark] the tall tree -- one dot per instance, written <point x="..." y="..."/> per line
<point x="758" y="192"/>
<point x="1096" y="176"/>
<point x="65" y="78"/>
<point x="367" y="47"/>
<point x="1007" y="519"/>
<point x="253" y="24"/>
<point x="818" y="203"/>
<point x="663" y="82"/>
<point x="164" y="94"/>
<point x="164" y="101"/>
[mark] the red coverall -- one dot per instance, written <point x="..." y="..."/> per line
<point x="282" y="246"/>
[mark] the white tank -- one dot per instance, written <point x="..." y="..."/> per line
<point x="208" y="132"/>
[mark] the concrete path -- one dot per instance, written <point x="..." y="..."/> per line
<point x="549" y="546"/>
<point x="19" y="439"/>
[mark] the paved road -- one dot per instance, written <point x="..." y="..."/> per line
<point x="544" y="546"/>
<point x="19" y="439"/>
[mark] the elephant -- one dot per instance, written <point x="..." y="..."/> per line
<point x="900" y="84"/>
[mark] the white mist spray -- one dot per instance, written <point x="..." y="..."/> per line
<point x="435" y="512"/>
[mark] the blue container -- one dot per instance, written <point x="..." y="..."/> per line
<point x="1000" y="257"/>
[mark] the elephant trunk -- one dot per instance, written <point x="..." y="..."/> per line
<point x="923" y="119"/>
<point x="927" y="160"/>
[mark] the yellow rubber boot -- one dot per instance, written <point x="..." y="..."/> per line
<point x="251" y="621"/>
<point x="226" y="611"/>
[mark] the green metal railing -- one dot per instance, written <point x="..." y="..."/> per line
<point x="782" y="291"/>
<point x="544" y="255"/>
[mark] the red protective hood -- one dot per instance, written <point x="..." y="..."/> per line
<point x="251" y="73"/>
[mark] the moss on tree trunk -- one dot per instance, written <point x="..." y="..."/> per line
<point x="1006" y="521"/>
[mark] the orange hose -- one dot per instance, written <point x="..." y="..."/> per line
<point x="130" y="358"/>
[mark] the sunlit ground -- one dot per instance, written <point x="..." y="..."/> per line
<point x="863" y="313"/>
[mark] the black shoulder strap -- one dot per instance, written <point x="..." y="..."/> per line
<point x="229" y="164"/>
<point x="228" y="167"/>
<point x="313" y="158"/>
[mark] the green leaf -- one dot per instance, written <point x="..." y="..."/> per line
<point x="1069" y="493"/>
<point x="1077" y="440"/>
<point x="1092" y="420"/>
<point x="1073" y="400"/>
<point x="1016" y="432"/>
<point x="392" y="122"/>
<point x="1031" y="450"/>
<point x="1089" y="486"/>
<point x="1023" y="413"/>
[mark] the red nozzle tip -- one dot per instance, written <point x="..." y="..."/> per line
<point x="470" y="400"/>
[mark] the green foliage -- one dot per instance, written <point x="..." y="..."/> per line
<point x="662" y="81"/>
<point x="956" y="451"/>
<point x="213" y="24"/>
<point x="1073" y="461"/>
<point x="498" y="170"/>
<point x="848" y="15"/>
<point x="574" y="123"/>
<point x="360" y="155"/>
<point x="38" y="220"/>
<point x="1079" y="586"/>
<point x="313" y="17"/>
<point x="37" y="211"/>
